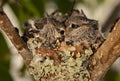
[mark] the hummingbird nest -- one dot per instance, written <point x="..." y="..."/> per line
<point x="62" y="46"/>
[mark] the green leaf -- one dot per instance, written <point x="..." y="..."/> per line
<point x="4" y="60"/>
<point x="3" y="45"/>
<point x="30" y="7"/>
<point x="111" y="75"/>
<point x="40" y="6"/>
<point x="100" y="1"/>
<point x="63" y="5"/>
<point x="4" y="73"/>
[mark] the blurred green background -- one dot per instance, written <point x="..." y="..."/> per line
<point x="26" y="9"/>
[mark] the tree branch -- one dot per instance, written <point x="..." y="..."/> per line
<point x="106" y="54"/>
<point x="15" y="38"/>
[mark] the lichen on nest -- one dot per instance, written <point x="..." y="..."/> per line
<point x="43" y="68"/>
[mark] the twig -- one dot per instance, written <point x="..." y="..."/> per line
<point x="15" y="38"/>
<point x="106" y="54"/>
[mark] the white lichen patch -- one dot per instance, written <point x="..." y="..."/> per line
<point x="42" y="67"/>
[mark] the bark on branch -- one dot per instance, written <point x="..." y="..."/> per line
<point x="15" y="38"/>
<point x="106" y="54"/>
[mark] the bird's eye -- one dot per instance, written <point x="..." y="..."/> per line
<point x="74" y="26"/>
<point x="62" y="32"/>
